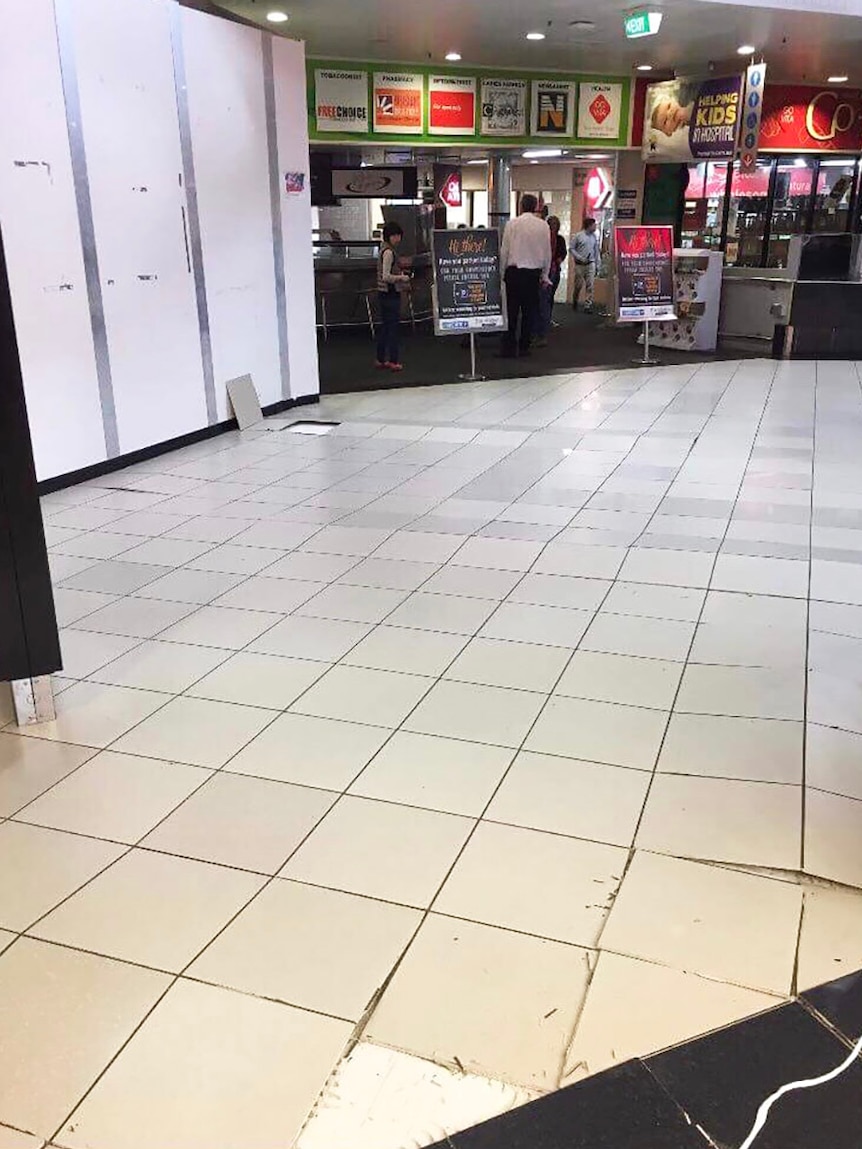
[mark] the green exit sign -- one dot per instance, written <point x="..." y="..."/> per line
<point x="642" y="24"/>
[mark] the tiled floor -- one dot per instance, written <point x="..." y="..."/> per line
<point x="512" y="726"/>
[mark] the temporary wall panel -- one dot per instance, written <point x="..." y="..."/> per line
<point x="290" y="94"/>
<point x="154" y="251"/>
<point x="225" y="91"/>
<point x="129" y="116"/>
<point x="43" y="245"/>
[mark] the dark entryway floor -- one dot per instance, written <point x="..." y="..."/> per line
<point x="580" y="342"/>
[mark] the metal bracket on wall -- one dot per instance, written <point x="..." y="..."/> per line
<point x="33" y="700"/>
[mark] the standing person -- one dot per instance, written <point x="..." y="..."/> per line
<point x="389" y="280"/>
<point x="525" y="258"/>
<point x="585" y="252"/>
<point x="559" y="252"/>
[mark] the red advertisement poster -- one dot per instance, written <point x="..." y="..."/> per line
<point x="799" y="117"/>
<point x="644" y="257"/>
<point x="452" y="105"/>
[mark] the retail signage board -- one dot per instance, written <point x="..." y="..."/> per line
<point x="504" y="106"/>
<point x="640" y="24"/>
<point x="341" y="100"/>
<point x="752" y="117"/>
<point x="468" y="285"/>
<point x="599" y="111"/>
<point x="398" y="103"/>
<point x="553" y="109"/>
<point x="452" y="105"/>
<point x="803" y="118"/>
<point x="644" y="266"/>
<point x="691" y="120"/>
<point x="375" y="183"/>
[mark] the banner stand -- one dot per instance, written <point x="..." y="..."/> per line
<point x="472" y="377"/>
<point x="646" y="361"/>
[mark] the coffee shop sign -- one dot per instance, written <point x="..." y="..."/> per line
<point x="811" y="119"/>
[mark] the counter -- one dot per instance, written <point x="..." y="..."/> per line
<point x="345" y="284"/>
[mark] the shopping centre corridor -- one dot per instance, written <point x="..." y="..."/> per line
<point x="511" y="726"/>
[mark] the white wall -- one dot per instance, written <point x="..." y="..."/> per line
<point x="129" y="334"/>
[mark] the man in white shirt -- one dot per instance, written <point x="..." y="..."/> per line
<point x="525" y="258"/>
<point x="585" y="252"/>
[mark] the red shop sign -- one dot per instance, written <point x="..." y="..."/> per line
<point x="803" y="118"/>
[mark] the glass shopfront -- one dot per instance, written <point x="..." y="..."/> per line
<point x="753" y="215"/>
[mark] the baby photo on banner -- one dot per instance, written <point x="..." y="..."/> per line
<point x="553" y="108"/>
<point x="690" y="120"/>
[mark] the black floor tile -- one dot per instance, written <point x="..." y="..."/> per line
<point x="622" y="1109"/>
<point x="841" y="1003"/>
<point x="721" y="1080"/>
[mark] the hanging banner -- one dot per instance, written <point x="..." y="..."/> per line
<point x="452" y="106"/>
<point x="504" y="107"/>
<point x="796" y="117"/>
<point x="553" y="108"/>
<point x="341" y="100"/>
<point x="599" y="109"/>
<point x="398" y="102"/>
<point x="468" y="287"/>
<point x="691" y="120"/>
<point x="752" y="115"/>
<point x="644" y="264"/>
<point x="448" y="190"/>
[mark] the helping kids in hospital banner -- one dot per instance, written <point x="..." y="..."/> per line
<point x="691" y="120"/>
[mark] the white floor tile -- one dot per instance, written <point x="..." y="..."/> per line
<point x="831" y="937"/>
<point x="160" y="665"/>
<point x="544" y="625"/>
<point x="258" y="680"/>
<point x="751" y="749"/>
<point x="517" y="665"/>
<point x="91" y="714"/>
<point x="135" y="617"/>
<point x="408" y="651"/>
<point x="321" y="639"/>
<point x="617" y="678"/>
<point x="640" y="637"/>
<point x="219" y="626"/>
<point x="446" y="614"/>
<point x="667" y="568"/>
<point x="476" y="713"/>
<point x="742" y="692"/>
<point x="29" y="766"/>
<point x="196" y="731"/>
<point x="599" y="732"/>
<point x="833" y="845"/>
<point x="558" y="590"/>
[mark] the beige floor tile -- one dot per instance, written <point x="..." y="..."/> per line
<point x="311" y="568"/>
<point x="196" y="588"/>
<point x="353" y="603"/>
<point x="196" y="731"/>
<point x="745" y="748"/>
<point x="444" y="613"/>
<point x="6" y="939"/>
<point x="667" y="568"/>
<point x="618" y="678"/>
<point x="42" y="867"/>
<point x="220" y="626"/>
<point x="706" y="920"/>
<point x="28" y="767"/>
<point x="640" y="637"/>
<point x="498" y="554"/>
<point x="395" y="853"/>
<point x="472" y="582"/>
<point x="833" y="843"/>
<point x="115" y="796"/>
<point x="63" y="1015"/>
<point x="835" y="700"/>
<point x="277" y="595"/>
<point x="310" y="751"/>
<point x="581" y="799"/>
<point x="435" y="773"/>
<point x="288" y="945"/>
<point x="833" y="761"/>
<point x="163" y="666"/>
<point x="599" y="732"/>
<point x="545" y="625"/>
<point x="355" y="694"/>
<point x="74" y="605"/>
<point x="581" y="561"/>
<point x="85" y="652"/>
<point x="13" y="1139"/>
<point x="742" y="692"/>
<point x="407" y="651"/>
<point x="419" y="547"/>
<point x="445" y="1001"/>
<point x="517" y="665"/>
<point x="255" y="1089"/>
<point x="649" y="601"/>
<point x="750" y="823"/>
<point x="321" y="639"/>
<point x="135" y="617"/>
<point x="243" y="822"/>
<point x="496" y="879"/>
<point x="831" y="939"/>
<point x="389" y="574"/>
<point x="150" y="909"/>
<point x="560" y="591"/>
<point x="744" y="643"/>
<point x="229" y="559"/>
<point x="476" y="713"/>
<point x="635" y="1008"/>
<point x="787" y="578"/>
<point x="258" y="680"/>
<point x="91" y="714"/>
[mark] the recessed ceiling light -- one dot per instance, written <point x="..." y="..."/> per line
<point x="837" y="80"/>
<point x="535" y="35"/>
<point x="746" y="50"/>
<point x="453" y="57"/>
<point x="644" y="67"/>
<point x="583" y="25"/>
<point x="277" y="17"/>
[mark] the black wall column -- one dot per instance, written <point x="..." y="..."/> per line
<point x="29" y="643"/>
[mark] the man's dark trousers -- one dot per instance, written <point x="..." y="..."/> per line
<point x="522" y="299"/>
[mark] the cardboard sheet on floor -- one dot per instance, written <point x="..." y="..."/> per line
<point x="244" y="401"/>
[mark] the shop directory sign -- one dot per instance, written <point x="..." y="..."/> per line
<point x="691" y="120"/>
<point x="504" y="107"/>
<point x="599" y="110"/>
<point x="452" y="106"/>
<point x="341" y="100"/>
<point x="645" y="284"/>
<point x="553" y="110"/>
<point x="398" y="100"/>
<point x="468" y="288"/>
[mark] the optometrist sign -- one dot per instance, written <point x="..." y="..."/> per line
<point x="691" y="120"/>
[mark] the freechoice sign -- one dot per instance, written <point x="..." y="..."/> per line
<point x="341" y="100"/>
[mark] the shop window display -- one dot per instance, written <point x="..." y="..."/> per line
<point x="704" y="206"/>
<point x="748" y="215"/>
<point x="794" y="183"/>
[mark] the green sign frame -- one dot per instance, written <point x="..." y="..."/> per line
<point x="466" y="142"/>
